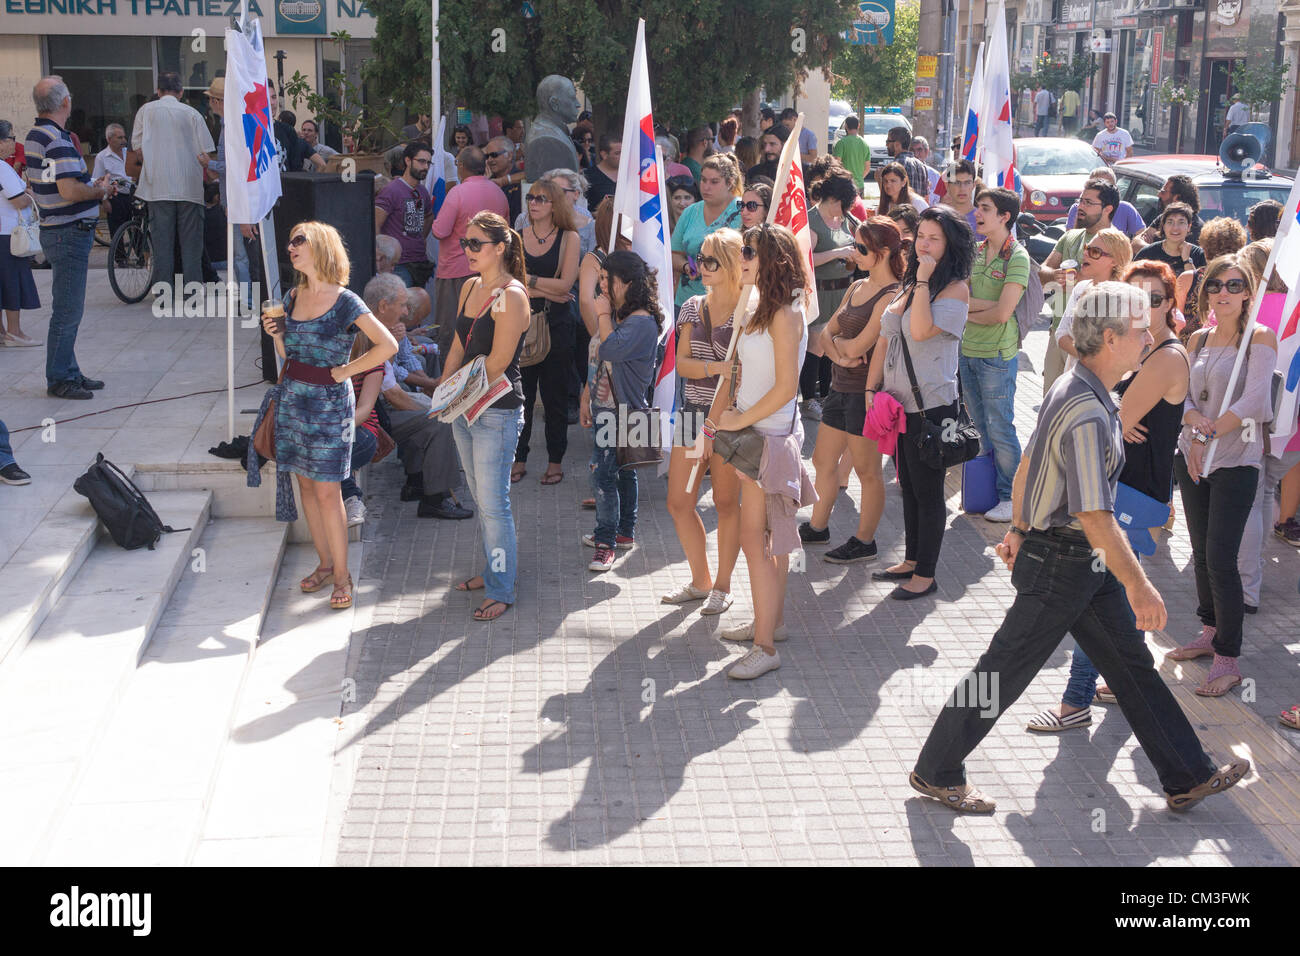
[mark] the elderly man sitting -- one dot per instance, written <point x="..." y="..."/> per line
<point x="427" y="450"/>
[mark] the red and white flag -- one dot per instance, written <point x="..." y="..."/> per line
<point x="790" y="209"/>
<point x="252" y="167"/>
<point x="1286" y="262"/>
<point x="995" y="134"/>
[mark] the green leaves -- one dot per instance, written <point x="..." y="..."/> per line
<point x="885" y="75"/>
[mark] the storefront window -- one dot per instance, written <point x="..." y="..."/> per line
<point x="108" y="82"/>
<point x="1138" y="111"/>
<point x="196" y="70"/>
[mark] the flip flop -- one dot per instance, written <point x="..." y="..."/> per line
<point x="1226" y="776"/>
<point x="1290" y="717"/>
<point x="464" y="585"/>
<point x="516" y="477"/>
<point x="553" y="478"/>
<point x="1050" y="722"/>
<point x="963" y="799"/>
<point x="589" y="504"/>
<point x="481" y="613"/>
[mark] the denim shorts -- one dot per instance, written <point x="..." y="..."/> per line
<point x="845" y="411"/>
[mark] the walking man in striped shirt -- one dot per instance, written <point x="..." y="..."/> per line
<point x="69" y="205"/>
<point x="1073" y="570"/>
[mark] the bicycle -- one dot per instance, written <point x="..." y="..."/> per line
<point x="130" y="256"/>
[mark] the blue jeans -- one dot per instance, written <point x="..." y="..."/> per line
<point x="615" y="491"/>
<point x="989" y="388"/>
<point x="68" y="249"/>
<point x="364" y="446"/>
<point x="6" y="449"/>
<point x="487" y="449"/>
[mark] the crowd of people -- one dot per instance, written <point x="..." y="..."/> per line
<point x="921" y="314"/>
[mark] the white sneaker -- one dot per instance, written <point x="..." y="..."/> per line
<point x="21" y="341"/>
<point x="1001" y="513"/>
<point x="745" y="632"/>
<point x="755" y="664"/>
<point x="356" y="509"/>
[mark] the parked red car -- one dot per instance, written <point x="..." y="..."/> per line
<point x="1053" y="171"/>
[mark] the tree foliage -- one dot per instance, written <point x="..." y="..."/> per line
<point x="881" y="75"/>
<point x="1261" y="82"/>
<point x="704" y="55"/>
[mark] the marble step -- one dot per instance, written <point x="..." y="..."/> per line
<point x="59" y="692"/>
<point x="144" y="794"/>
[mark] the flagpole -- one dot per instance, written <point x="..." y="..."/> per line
<point x="435" y="107"/>
<point x="738" y="315"/>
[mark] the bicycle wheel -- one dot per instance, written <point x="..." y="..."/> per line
<point x="130" y="262"/>
<point x="103" y="235"/>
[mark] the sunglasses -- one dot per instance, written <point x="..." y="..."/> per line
<point x="1096" y="252"/>
<point x="1157" y="299"/>
<point x="474" y="245"/>
<point x="1233" y="286"/>
<point x="748" y="253"/>
<point x="862" y="250"/>
<point x="708" y="263"/>
<point x="538" y="198"/>
<point x="495" y="154"/>
<point x="297" y="241"/>
<point x="752" y="205"/>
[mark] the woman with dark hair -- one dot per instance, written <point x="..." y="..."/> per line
<point x="491" y="320"/>
<point x="1150" y="413"/>
<point x="850" y="340"/>
<point x="895" y="190"/>
<point x="584" y="141"/>
<point x="907" y="219"/>
<point x="927" y="317"/>
<point x="832" y="227"/>
<point x="682" y="191"/>
<point x="628" y="320"/>
<point x="755" y="203"/>
<point x="1178" y="188"/>
<point x="1262" y="219"/>
<point x="551" y="261"/>
<point x="460" y="138"/>
<point x="747" y="152"/>
<point x="1217" y="504"/>
<point x="727" y="131"/>
<point x="769" y="349"/>
<point x="1174" y="245"/>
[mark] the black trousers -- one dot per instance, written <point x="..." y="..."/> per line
<point x="552" y="375"/>
<point x="1216" y="509"/>
<point x="924" y="508"/>
<point x="1061" y="587"/>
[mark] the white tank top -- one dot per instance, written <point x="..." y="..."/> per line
<point x="758" y="377"/>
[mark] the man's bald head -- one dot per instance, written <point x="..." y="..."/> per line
<point x="51" y="97"/>
<point x="470" y="161"/>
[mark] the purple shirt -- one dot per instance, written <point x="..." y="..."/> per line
<point x="1127" y="219"/>
<point x="466" y="200"/>
<point x="408" y="210"/>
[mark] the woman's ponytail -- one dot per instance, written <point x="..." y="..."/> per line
<point x="514" y="257"/>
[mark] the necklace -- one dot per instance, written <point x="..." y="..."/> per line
<point x="541" y="239"/>
<point x="1210" y="362"/>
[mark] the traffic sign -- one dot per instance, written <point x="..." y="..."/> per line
<point x="874" y="24"/>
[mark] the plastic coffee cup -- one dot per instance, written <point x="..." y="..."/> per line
<point x="1071" y="268"/>
<point x="274" y="308"/>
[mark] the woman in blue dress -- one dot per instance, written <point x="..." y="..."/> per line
<point x="315" y="406"/>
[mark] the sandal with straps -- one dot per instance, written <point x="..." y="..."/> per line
<point x="341" y="597"/>
<point x="1226" y="776"/>
<point x="1290" y="717"/>
<point x="316" y="580"/>
<point x="963" y="799"/>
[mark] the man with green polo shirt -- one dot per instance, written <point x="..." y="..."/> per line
<point x="991" y="342"/>
<point x="852" y="150"/>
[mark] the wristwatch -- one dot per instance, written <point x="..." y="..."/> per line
<point x="1200" y="437"/>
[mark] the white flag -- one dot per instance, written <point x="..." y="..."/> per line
<point x="252" y="166"/>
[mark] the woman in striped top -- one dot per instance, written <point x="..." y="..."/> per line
<point x="703" y="336"/>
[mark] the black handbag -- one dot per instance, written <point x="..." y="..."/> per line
<point x="939" y="446"/>
<point x="635" y="421"/>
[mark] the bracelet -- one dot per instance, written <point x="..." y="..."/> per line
<point x="707" y="432"/>
<point x="922" y="281"/>
<point x="711" y="424"/>
<point x="1020" y="531"/>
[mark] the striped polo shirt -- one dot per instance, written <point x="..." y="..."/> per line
<point x="1075" y="453"/>
<point x="48" y="143"/>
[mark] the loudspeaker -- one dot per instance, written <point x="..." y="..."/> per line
<point x="1240" y="151"/>
<point x="347" y="206"/>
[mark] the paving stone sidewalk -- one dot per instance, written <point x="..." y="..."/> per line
<point x="592" y="724"/>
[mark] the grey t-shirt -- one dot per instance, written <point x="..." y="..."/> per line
<point x="935" y="359"/>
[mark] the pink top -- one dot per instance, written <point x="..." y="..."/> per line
<point x="475" y="194"/>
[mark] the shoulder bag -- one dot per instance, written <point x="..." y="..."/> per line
<point x="743" y="449"/>
<point x="537" y="340"/>
<point x="25" y="240"/>
<point x="938" y="446"/>
<point x="629" y="421"/>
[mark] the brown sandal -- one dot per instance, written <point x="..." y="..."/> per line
<point x="316" y="580"/>
<point x="1226" y="776"/>
<point x="964" y="799"/>
<point x="1290" y="717"/>
<point x="341" y="597"/>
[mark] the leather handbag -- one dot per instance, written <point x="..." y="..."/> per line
<point x="742" y="449"/>
<point x="939" y="446"/>
<point x="635" y="421"/>
<point x="537" y="340"/>
<point x="264" y="437"/>
<point x="25" y="241"/>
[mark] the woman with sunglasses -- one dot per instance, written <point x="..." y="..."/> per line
<point x="895" y="190"/>
<point x="770" y="350"/>
<point x="703" y="338"/>
<point x="755" y="202"/>
<point x="929" y="316"/>
<point x="720" y="187"/>
<point x="491" y="320"/>
<point x="682" y="191"/>
<point x="551" y="261"/>
<point x="1105" y="256"/>
<point x="1151" y="414"/>
<point x="850" y="340"/>
<point x="315" y="406"/>
<point x="1217" y="503"/>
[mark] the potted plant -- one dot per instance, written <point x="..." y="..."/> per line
<point x="1180" y="95"/>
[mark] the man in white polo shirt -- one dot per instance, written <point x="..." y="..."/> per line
<point x="111" y="161"/>
<point x="176" y="146"/>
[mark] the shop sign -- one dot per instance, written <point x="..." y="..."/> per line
<point x="180" y="17"/>
<point x="300" y="17"/>
<point x="927" y="67"/>
<point x="1227" y="12"/>
<point x="1157" y="51"/>
<point x="1076" y="12"/>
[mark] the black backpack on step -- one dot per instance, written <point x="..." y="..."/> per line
<point x="121" y="506"/>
